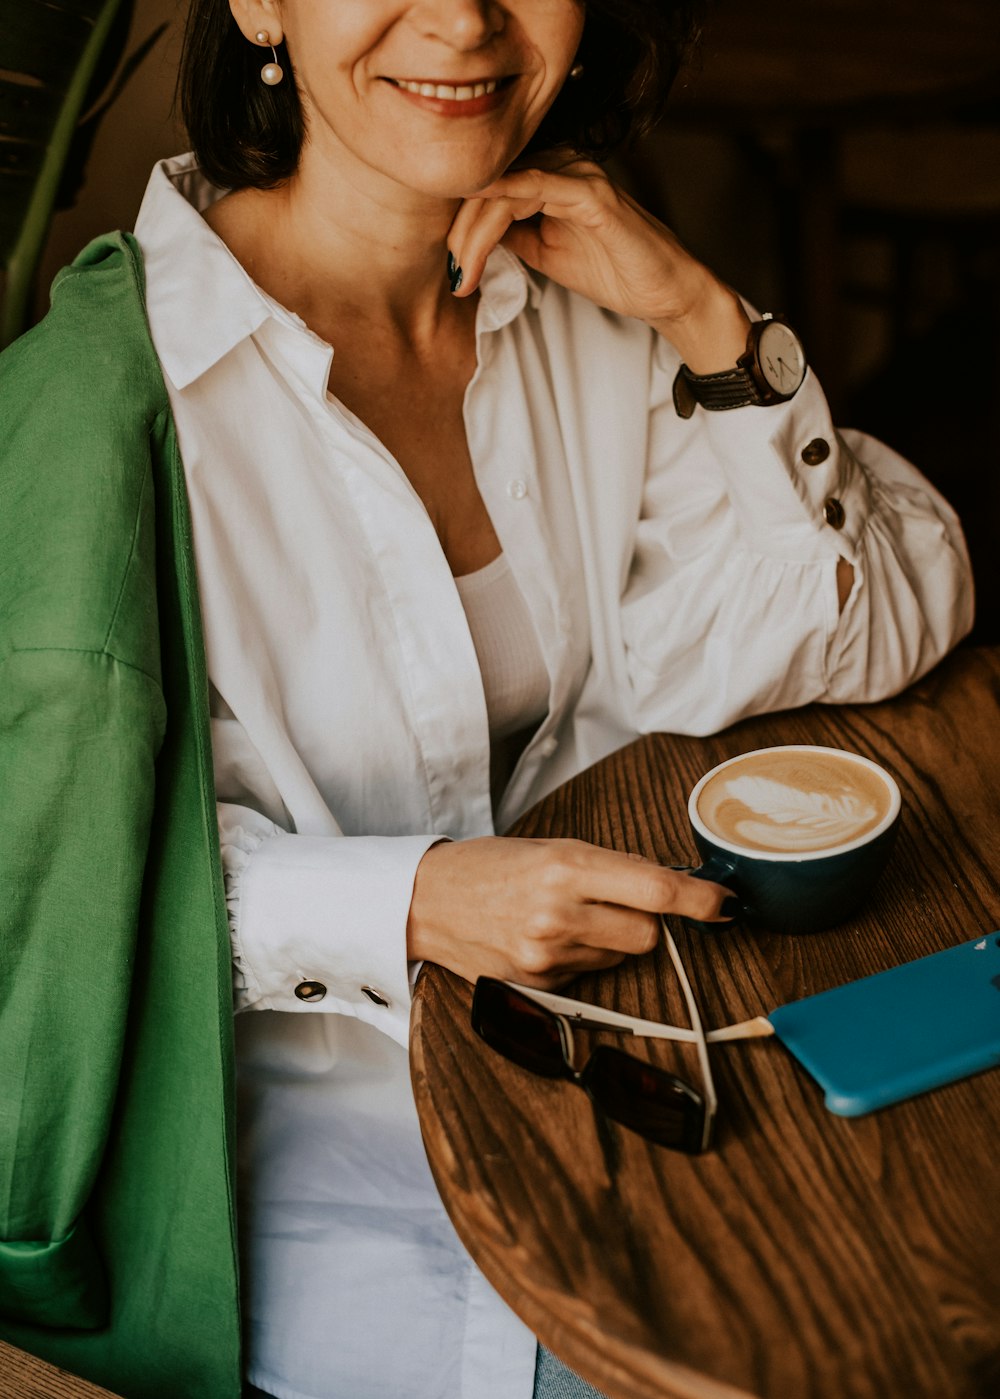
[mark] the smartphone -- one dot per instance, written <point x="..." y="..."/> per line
<point x="900" y="1032"/>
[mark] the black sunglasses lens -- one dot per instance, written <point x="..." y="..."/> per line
<point x="646" y="1099"/>
<point x="518" y="1028"/>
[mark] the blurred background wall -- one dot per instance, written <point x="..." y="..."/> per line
<point x="139" y="129"/>
<point x="838" y="161"/>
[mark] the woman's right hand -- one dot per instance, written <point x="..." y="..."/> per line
<point x="565" y="218"/>
<point x="541" y="911"/>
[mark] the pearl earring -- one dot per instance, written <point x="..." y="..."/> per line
<point x="576" y="72"/>
<point x="271" y="73"/>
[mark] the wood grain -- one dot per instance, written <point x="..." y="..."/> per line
<point x="808" y="1256"/>
<point x="24" y="1376"/>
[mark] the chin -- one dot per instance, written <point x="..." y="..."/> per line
<point x="450" y="176"/>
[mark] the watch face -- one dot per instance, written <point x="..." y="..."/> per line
<point x="779" y="354"/>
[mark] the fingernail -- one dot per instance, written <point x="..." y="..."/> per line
<point x="730" y="907"/>
<point x="455" y="278"/>
<point x="451" y="265"/>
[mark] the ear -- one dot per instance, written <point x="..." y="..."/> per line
<point x="258" y="17"/>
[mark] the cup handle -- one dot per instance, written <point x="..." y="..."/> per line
<point x="718" y="870"/>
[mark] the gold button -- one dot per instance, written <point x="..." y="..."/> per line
<point x="310" y="990"/>
<point x="815" y="451"/>
<point x="833" y="513"/>
<point x="374" y="995"/>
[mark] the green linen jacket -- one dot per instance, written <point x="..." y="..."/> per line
<point x="118" y="1252"/>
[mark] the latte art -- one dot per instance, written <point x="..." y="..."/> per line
<point x="793" y="801"/>
<point x="783" y="817"/>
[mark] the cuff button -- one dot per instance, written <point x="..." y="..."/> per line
<point x="815" y="451"/>
<point x="310" y="990"/>
<point x="833" y="513"/>
<point x="375" y="996"/>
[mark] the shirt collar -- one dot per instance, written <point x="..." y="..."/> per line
<point x="201" y="302"/>
<point x="505" y="288"/>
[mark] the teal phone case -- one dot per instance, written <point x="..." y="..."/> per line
<point x="901" y="1032"/>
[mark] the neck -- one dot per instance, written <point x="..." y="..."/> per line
<point x="344" y="244"/>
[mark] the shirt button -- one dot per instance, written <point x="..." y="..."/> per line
<point x="548" y="746"/>
<point x="517" y="489"/>
<point x="815" y="451"/>
<point x="375" y="996"/>
<point x="833" y="513"/>
<point x="310" y="990"/>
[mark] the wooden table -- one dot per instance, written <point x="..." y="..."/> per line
<point x="24" y="1376"/>
<point x="807" y="1256"/>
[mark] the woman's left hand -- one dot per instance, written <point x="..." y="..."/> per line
<point x="572" y="224"/>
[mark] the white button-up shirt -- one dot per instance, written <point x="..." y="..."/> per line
<point x="679" y="575"/>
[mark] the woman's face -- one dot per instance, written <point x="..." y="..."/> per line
<point x="438" y="95"/>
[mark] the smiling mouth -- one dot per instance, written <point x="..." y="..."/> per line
<point x="450" y="92"/>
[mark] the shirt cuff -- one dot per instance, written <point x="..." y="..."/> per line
<point x="318" y="923"/>
<point x="798" y="491"/>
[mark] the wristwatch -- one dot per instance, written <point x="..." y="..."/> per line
<point x="770" y="370"/>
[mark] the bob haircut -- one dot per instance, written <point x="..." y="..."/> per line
<point x="246" y="134"/>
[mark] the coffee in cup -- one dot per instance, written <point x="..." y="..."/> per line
<point x="794" y="800"/>
<point x="800" y="833"/>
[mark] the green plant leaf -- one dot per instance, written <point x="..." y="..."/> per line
<point x="52" y="59"/>
<point x="83" y="138"/>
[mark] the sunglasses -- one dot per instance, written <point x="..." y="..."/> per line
<point x="534" y="1029"/>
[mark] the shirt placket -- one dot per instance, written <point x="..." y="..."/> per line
<point x="516" y="450"/>
<point x="446" y="708"/>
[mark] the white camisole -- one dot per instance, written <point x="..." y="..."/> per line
<point x="515" y="681"/>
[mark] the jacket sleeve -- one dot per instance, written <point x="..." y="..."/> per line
<point x="78" y="735"/>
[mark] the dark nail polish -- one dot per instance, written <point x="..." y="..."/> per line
<point x="455" y="280"/>
<point x="451" y="265"/>
<point x="731" y="907"/>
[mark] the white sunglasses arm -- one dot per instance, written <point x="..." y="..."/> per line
<point x="593" y="1017"/>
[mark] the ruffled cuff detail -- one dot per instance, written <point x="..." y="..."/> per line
<point x="238" y="846"/>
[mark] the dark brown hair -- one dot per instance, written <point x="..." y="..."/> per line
<point x="245" y="133"/>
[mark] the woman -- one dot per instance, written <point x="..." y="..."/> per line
<point x="464" y="516"/>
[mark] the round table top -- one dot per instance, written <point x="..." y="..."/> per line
<point x="805" y="1254"/>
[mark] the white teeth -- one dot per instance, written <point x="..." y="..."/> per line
<point x="445" y="92"/>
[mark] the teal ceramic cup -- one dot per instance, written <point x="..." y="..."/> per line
<point x="799" y="833"/>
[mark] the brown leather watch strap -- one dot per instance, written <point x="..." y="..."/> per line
<point x="730" y="388"/>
